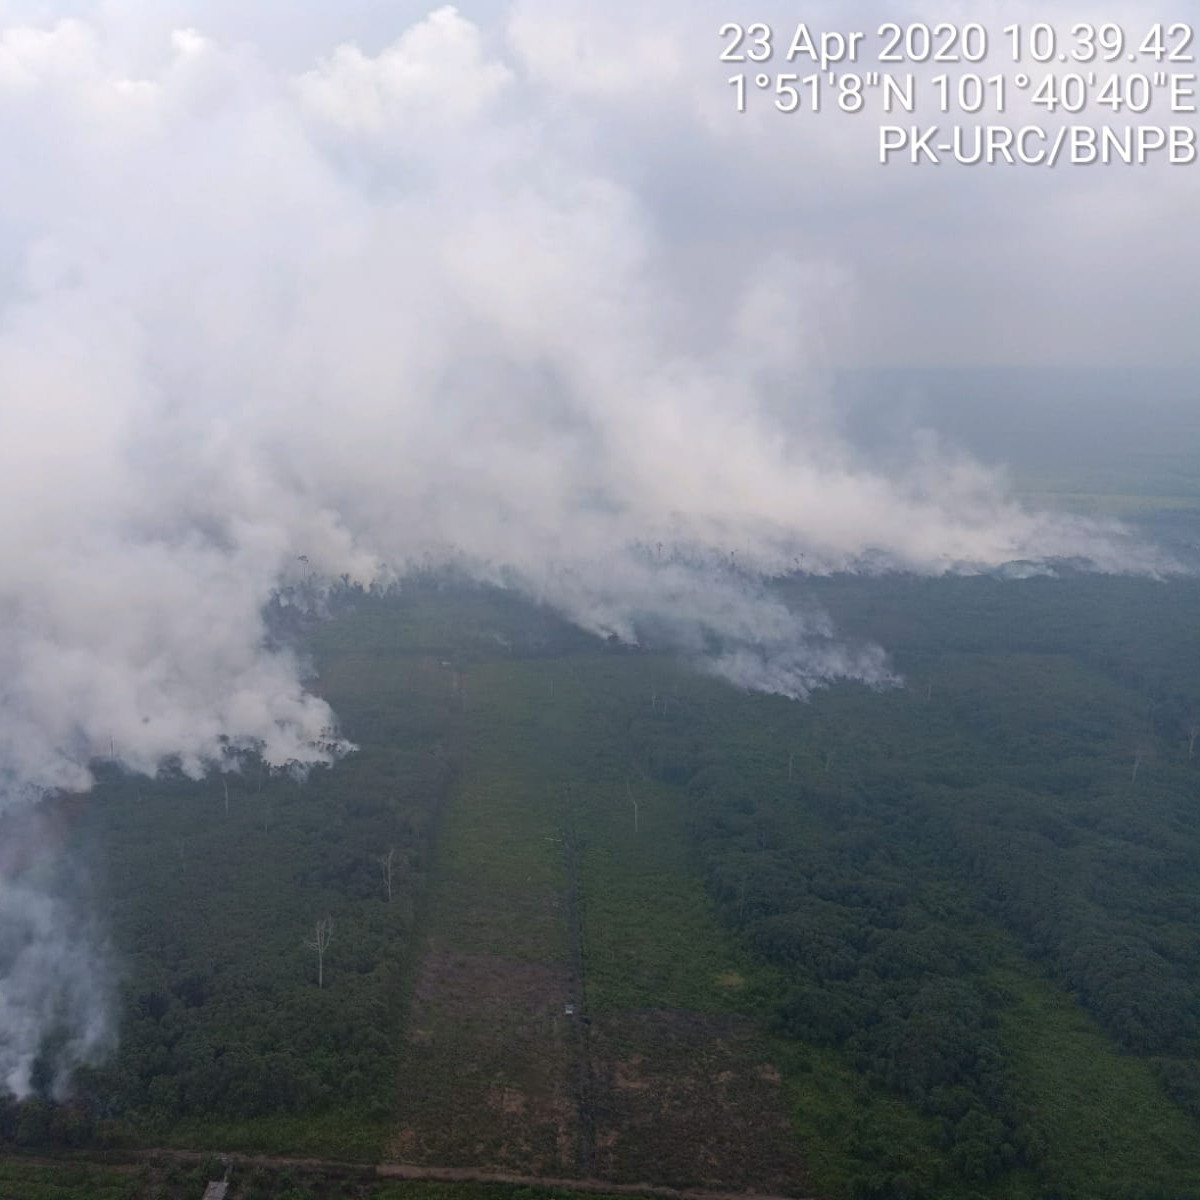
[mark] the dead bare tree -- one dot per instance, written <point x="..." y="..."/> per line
<point x="385" y="866"/>
<point x="791" y="759"/>
<point x="225" y="784"/>
<point x="629" y="793"/>
<point x="1143" y="752"/>
<point x="1193" y="733"/>
<point x="319" y="944"/>
<point x="762" y="835"/>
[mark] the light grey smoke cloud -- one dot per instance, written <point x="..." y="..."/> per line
<point x="394" y="302"/>
<point x="363" y="312"/>
<point x="54" y="983"/>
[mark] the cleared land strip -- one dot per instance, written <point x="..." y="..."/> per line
<point x="578" y="1012"/>
<point x="395" y="1170"/>
<point x="487" y="1079"/>
<point x="467" y="1175"/>
<point x="585" y="1095"/>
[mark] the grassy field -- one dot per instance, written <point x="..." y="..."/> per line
<point x="485" y="1070"/>
<point x="1103" y="1112"/>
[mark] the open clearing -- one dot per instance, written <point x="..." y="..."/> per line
<point x="576" y="1007"/>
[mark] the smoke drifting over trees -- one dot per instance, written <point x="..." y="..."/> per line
<point x="387" y="308"/>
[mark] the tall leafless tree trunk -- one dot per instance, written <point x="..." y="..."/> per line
<point x="629" y="793"/>
<point x="1193" y="733"/>
<point x="791" y="759"/>
<point x="1143" y="752"/>
<point x="385" y="866"/>
<point x="225" y="785"/>
<point x="319" y="944"/>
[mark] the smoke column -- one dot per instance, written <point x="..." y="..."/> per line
<point x="379" y="309"/>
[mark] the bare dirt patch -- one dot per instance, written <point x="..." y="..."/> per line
<point x="689" y="1100"/>
<point x="486" y="1079"/>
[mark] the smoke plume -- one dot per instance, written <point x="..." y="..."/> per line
<point x="384" y="307"/>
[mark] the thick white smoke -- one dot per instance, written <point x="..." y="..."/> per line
<point x="383" y="307"/>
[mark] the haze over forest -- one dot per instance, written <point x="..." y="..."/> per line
<point x="311" y="315"/>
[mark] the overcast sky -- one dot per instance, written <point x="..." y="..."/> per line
<point x="895" y="264"/>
